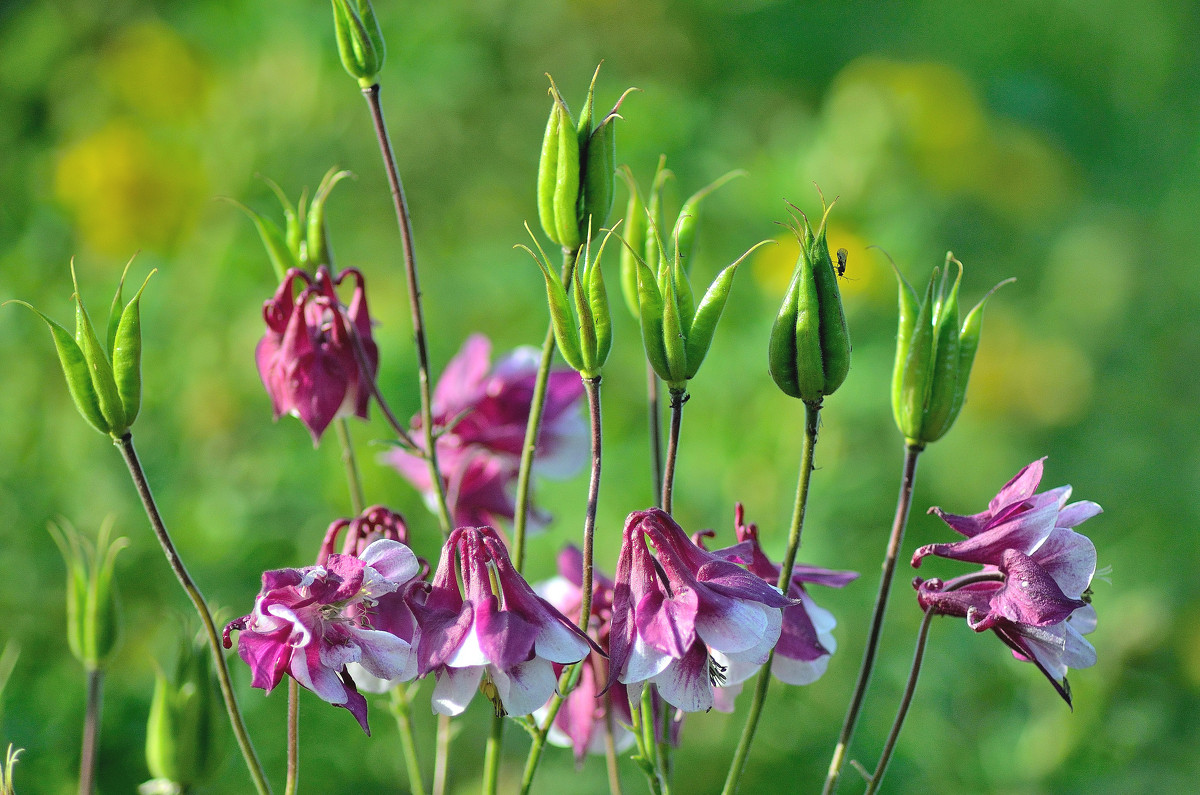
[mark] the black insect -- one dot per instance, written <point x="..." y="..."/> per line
<point x="842" y="256"/>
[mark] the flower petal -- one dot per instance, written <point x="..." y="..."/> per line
<point x="685" y="682"/>
<point x="455" y="688"/>
<point x="524" y="687"/>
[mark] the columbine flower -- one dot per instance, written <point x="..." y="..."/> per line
<point x="1033" y="591"/>
<point x="580" y="723"/>
<point x="495" y="632"/>
<point x="687" y="620"/>
<point x="310" y="624"/>
<point x="479" y="415"/>
<point x="307" y="358"/>
<point x="806" y="640"/>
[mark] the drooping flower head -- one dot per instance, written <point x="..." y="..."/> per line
<point x="806" y="639"/>
<point x="686" y="620"/>
<point x="580" y="722"/>
<point x="1034" y="588"/>
<point x="307" y="359"/>
<point x="310" y="623"/>
<point x="493" y="632"/>
<point x="479" y="415"/>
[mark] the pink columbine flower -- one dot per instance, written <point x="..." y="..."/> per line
<point x="479" y="414"/>
<point x="1034" y="588"/>
<point x="806" y="640"/>
<point x="580" y="722"/>
<point x="495" y="632"/>
<point x="311" y="623"/>
<point x="307" y="358"/>
<point x="686" y="620"/>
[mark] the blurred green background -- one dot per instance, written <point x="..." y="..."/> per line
<point x="1055" y="142"/>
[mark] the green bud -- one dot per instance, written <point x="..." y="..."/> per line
<point x="359" y="39"/>
<point x="184" y="728"/>
<point x="934" y="355"/>
<point x="635" y="234"/>
<point x="316" y="243"/>
<point x="809" y="351"/>
<point x="93" y="611"/>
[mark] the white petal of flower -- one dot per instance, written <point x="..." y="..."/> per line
<point x="455" y="688"/>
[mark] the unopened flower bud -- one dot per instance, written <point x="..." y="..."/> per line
<point x="934" y="355"/>
<point x="809" y="351"/>
<point x="183" y="732"/>
<point x="93" y="612"/>
<point x="360" y="41"/>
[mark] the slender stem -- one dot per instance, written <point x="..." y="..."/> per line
<point x="610" y="751"/>
<point x="414" y="298"/>
<point x="678" y="398"/>
<point x="364" y="367"/>
<point x="358" y="502"/>
<point x="532" y="426"/>
<point x="441" y="755"/>
<point x="214" y="640"/>
<point x="491" y="755"/>
<point x="412" y="766"/>
<point x="91" y="732"/>
<point x="811" y="426"/>
<point x="653" y="751"/>
<point x="901" y="713"/>
<point x="293" y="738"/>
<point x="654" y="410"/>
<point x="903" y="503"/>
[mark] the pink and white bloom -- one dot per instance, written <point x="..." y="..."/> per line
<point x="494" y="632"/>
<point x="311" y="623"/>
<point x="580" y="722"/>
<point x="307" y="358"/>
<point x="479" y="415"/>
<point x="1034" y="588"/>
<point x="687" y="620"/>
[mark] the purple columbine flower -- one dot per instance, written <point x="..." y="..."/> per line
<point x="307" y="358"/>
<point x="580" y="723"/>
<point x="495" y="633"/>
<point x="1034" y="588"/>
<point x="806" y="640"/>
<point x="479" y="415"/>
<point x="686" y="620"/>
<point x="311" y="623"/>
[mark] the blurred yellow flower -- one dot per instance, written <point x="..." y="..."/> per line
<point x="152" y="70"/>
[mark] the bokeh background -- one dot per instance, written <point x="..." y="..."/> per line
<point x="1052" y="141"/>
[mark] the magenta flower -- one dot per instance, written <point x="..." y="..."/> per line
<point x="495" y="631"/>
<point x="580" y="722"/>
<point x="307" y="358"/>
<point x="806" y="639"/>
<point x="686" y="620"/>
<point x="480" y="413"/>
<point x="1034" y="588"/>
<point x="311" y="623"/>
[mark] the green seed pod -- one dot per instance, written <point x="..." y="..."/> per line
<point x="93" y="610"/>
<point x="183" y="732"/>
<point x="602" y="317"/>
<point x="359" y="39"/>
<point x="944" y="382"/>
<point x="316" y="241"/>
<point x="98" y="367"/>
<point x="654" y="245"/>
<point x="809" y="350"/>
<point x="910" y="307"/>
<point x="566" y="334"/>
<point x="282" y="254"/>
<point x="704" y="323"/>
<point x="76" y="371"/>
<point x="689" y="216"/>
<point x="650" y="317"/>
<point x="635" y="235"/>
<point x="566" y="182"/>
<point x="674" y="341"/>
<point x="127" y="355"/>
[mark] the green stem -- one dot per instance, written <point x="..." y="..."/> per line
<point x="293" y="738"/>
<point x="414" y="299"/>
<point x="653" y="750"/>
<point x="491" y="755"/>
<point x="214" y="640"/>
<point x="654" y="411"/>
<point x="811" y="424"/>
<point x="441" y="755"/>
<point x="403" y="715"/>
<point x="903" y="504"/>
<point x="532" y="426"/>
<point x="91" y="732"/>
<point x="678" y="398"/>
<point x="909" y="689"/>
<point x="610" y="751"/>
<point x="358" y="501"/>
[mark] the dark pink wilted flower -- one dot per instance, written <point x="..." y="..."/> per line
<point x="806" y="640"/>
<point x="580" y="722"/>
<point x="687" y="619"/>
<point x="479" y="414"/>
<point x="1034" y="588"/>
<point x="495" y="630"/>
<point x="307" y="358"/>
<point x="310" y="623"/>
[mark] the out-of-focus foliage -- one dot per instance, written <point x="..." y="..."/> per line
<point x="1055" y="142"/>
